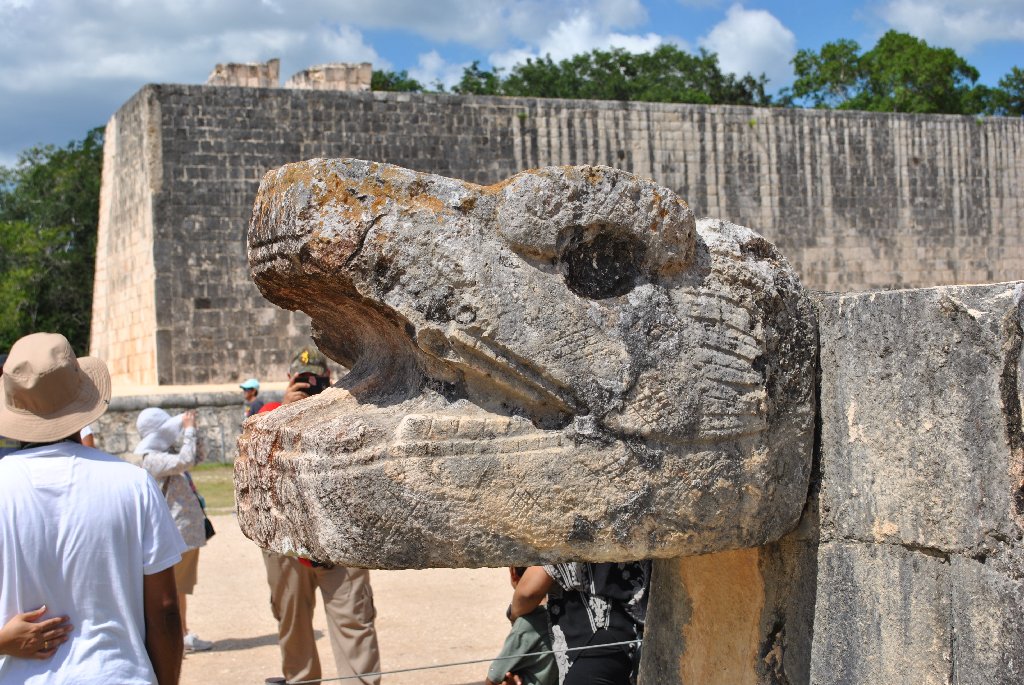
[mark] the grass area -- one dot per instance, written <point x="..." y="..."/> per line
<point x="216" y="484"/>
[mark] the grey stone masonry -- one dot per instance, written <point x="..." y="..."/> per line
<point x="854" y="200"/>
<point x="908" y="565"/>
<point x="921" y="556"/>
<point x="249" y="75"/>
<point x="336" y="76"/>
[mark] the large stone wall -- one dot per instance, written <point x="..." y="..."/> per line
<point x="855" y="200"/>
<point x="124" y="310"/>
<point x="908" y="565"/>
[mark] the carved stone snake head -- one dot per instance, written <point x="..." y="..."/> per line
<point x="564" y="365"/>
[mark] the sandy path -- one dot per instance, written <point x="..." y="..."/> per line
<point x="423" y="617"/>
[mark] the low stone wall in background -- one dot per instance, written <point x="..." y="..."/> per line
<point x="218" y="417"/>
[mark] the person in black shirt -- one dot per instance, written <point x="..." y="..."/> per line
<point x="591" y="604"/>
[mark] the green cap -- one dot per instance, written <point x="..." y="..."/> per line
<point x="308" y="360"/>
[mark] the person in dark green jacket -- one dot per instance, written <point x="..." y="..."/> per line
<point x="518" y="663"/>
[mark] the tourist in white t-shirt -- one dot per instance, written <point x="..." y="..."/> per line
<point x="81" y="531"/>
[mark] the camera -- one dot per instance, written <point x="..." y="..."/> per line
<point x="316" y="383"/>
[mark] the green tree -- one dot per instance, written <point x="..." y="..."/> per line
<point x="49" y="210"/>
<point x="1010" y="98"/>
<point x="665" y="74"/>
<point x="398" y="81"/>
<point x="904" y="74"/>
<point x="827" y="78"/>
<point x="477" y="81"/>
<point x="900" y="74"/>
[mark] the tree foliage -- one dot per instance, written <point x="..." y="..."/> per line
<point x="398" y="81"/>
<point x="1010" y="98"/>
<point x="829" y="78"/>
<point x="900" y="73"/>
<point x="49" y="210"/>
<point x="477" y="81"/>
<point x="665" y="74"/>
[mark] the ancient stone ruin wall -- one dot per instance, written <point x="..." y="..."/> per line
<point x="854" y="200"/>
<point x="908" y="564"/>
<point x="125" y="307"/>
<point x="246" y="74"/>
<point x="338" y="76"/>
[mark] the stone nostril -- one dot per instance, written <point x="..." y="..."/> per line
<point x="597" y="263"/>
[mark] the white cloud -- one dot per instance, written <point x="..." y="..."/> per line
<point x="431" y="68"/>
<point x="583" y="31"/>
<point x="957" y="24"/>
<point x="68" y="46"/>
<point x="621" y="13"/>
<point x="345" y="44"/>
<point x="508" y="59"/>
<point x="68" y="64"/>
<point x="47" y="44"/>
<point x="755" y="42"/>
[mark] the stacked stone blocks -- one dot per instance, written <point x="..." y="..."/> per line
<point x="855" y="200"/>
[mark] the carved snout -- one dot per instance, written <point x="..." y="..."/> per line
<point x="507" y="403"/>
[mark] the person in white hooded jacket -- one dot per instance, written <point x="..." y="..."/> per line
<point x="159" y="432"/>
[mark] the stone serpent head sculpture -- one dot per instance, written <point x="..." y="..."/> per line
<point x="563" y="365"/>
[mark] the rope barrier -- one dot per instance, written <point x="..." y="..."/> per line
<point x="457" y="663"/>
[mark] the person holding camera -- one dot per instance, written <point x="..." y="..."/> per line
<point x="159" y="432"/>
<point x="347" y="595"/>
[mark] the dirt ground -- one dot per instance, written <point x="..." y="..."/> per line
<point x="425" y="617"/>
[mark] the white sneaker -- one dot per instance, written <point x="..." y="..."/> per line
<point x="194" y="644"/>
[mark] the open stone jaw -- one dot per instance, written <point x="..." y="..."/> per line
<point x="565" y="365"/>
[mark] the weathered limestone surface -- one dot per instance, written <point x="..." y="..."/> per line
<point x="908" y="565"/>
<point x="744" y="617"/>
<point x="882" y="616"/>
<point x="564" y="365"/>
<point x="335" y="76"/>
<point x="921" y="414"/>
<point x="921" y="564"/>
<point x="246" y="75"/>
<point x="130" y="294"/>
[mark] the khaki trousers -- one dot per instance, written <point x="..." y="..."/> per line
<point x="348" y="603"/>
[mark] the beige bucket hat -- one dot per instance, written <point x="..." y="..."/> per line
<point x="48" y="393"/>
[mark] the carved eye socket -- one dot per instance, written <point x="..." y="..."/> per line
<point x="598" y="263"/>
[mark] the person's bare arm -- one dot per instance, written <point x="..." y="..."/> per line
<point x="163" y="625"/>
<point x="28" y="637"/>
<point x="530" y="591"/>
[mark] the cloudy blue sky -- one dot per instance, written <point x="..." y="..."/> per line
<point x="66" y="65"/>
